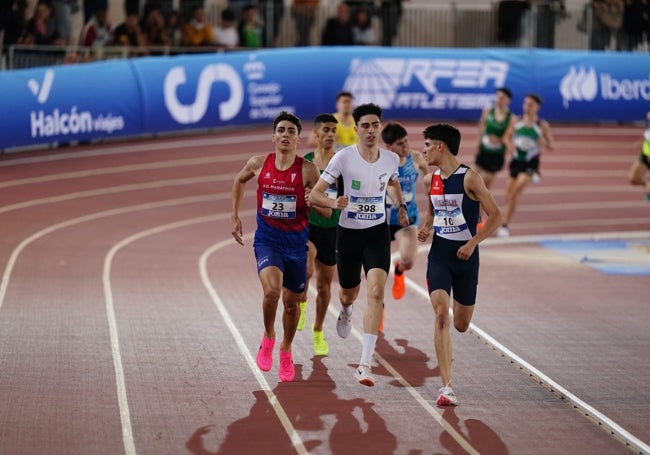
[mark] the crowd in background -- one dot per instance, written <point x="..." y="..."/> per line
<point x="240" y="25"/>
<point x="610" y="24"/>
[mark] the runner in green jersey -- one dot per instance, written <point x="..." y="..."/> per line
<point x="321" y="257"/>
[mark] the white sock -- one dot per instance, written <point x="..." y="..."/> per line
<point x="348" y="309"/>
<point x="367" y="349"/>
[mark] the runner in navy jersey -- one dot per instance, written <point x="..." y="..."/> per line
<point x="456" y="194"/>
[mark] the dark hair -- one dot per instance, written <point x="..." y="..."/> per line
<point x="506" y="91"/>
<point x="392" y="133"/>
<point x="324" y="118"/>
<point x="535" y="97"/>
<point x="228" y="15"/>
<point x="366" y="109"/>
<point x="444" y="133"/>
<point x="288" y="116"/>
<point x="343" y="93"/>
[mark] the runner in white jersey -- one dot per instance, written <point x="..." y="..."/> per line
<point x="364" y="173"/>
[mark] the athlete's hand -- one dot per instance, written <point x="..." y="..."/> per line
<point x="423" y="233"/>
<point x="403" y="217"/>
<point x="341" y="202"/>
<point x="465" y="251"/>
<point x="237" y="230"/>
<point x="307" y="191"/>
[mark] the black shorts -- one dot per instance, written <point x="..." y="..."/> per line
<point x="491" y="162"/>
<point x="518" y="166"/>
<point x="445" y="271"/>
<point x="324" y="239"/>
<point x="356" y="248"/>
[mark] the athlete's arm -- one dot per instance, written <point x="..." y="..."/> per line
<point x="476" y="189"/>
<point x="481" y="126"/>
<point x="549" y="142"/>
<point x="420" y="163"/>
<point x="427" y="222"/>
<point x="318" y="197"/>
<point x="395" y="192"/>
<point x="250" y="170"/>
<point x="509" y="134"/>
<point x="310" y="176"/>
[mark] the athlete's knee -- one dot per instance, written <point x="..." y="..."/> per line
<point x="461" y="325"/>
<point x="442" y="320"/>
<point x="376" y="292"/>
<point x="272" y="295"/>
<point x="324" y="293"/>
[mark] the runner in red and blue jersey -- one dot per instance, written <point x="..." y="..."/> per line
<point x="280" y="243"/>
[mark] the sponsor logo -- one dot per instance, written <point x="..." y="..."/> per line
<point x="579" y="85"/>
<point x="194" y="112"/>
<point x="42" y="91"/>
<point x="59" y="122"/>
<point x="585" y="85"/>
<point x="426" y="83"/>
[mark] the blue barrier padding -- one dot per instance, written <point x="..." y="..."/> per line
<point x="169" y="94"/>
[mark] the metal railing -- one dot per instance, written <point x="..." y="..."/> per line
<point x="452" y="25"/>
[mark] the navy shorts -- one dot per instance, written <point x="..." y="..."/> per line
<point x="293" y="265"/>
<point x="455" y="276"/>
<point x="324" y="239"/>
<point x="356" y="248"/>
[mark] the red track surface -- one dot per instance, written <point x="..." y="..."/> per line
<point x="129" y="318"/>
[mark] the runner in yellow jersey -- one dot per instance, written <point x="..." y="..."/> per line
<point x="640" y="170"/>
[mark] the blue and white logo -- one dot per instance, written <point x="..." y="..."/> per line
<point x="186" y="114"/>
<point x="414" y="83"/>
<point x="579" y="85"/>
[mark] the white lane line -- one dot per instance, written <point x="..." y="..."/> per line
<point x="155" y="165"/>
<point x="273" y="400"/>
<point x="116" y="189"/>
<point x="125" y="415"/>
<point x="127" y="432"/>
<point x="92" y="217"/>
<point x="586" y="409"/>
<point x="138" y="147"/>
<point x="437" y="416"/>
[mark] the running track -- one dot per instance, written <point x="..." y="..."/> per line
<point x="129" y="319"/>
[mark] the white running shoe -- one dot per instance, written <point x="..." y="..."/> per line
<point x="536" y="178"/>
<point x="363" y="376"/>
<point x="447" y="397"/>
<point x="503" y="231"/>
<point x="344" y="324"/>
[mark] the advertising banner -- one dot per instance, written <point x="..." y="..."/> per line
<point x="170" y="94"/>
<point x="63" y="104"/>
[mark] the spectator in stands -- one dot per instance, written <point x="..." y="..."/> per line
<point x="91" y="7"/>
<point x="304" y="15"/>
<point x="153" y="26"/>
<point x="197" y="32"/>
<point x="338" y="29"/>
<point x="364" y="34"/>
<point x="635" y="24"/>
<point x="251" y="28"/>
<point x="237" y="7"/>
<point x="509" y="17"/>
<point x="128" y="33"/>
<point x="174" y="27"/>
<point x="390" y="12"/>
<point x="225" y="34"/>
<point x="271" y="12"/>
<point x="62" y="13"/>
<point x="97" y="31"/>
<point x="41" y="29"/>
<point x="13" y="19"/>
<point x="607" y="21"/>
